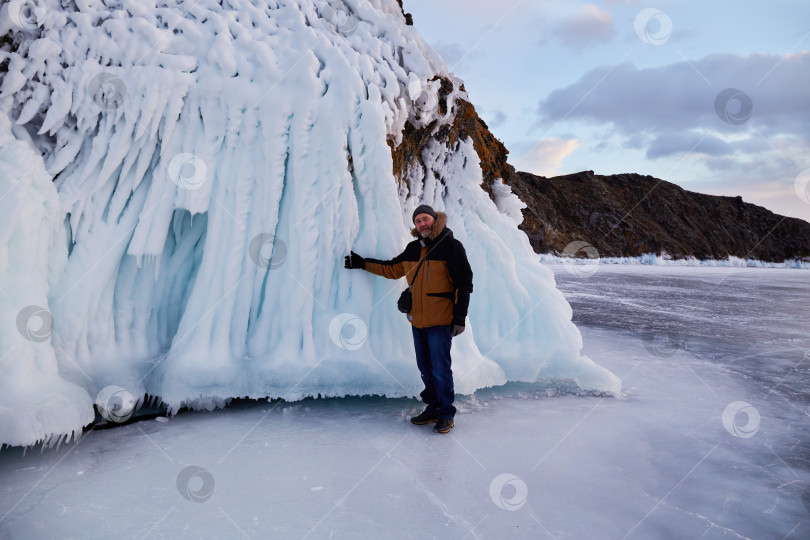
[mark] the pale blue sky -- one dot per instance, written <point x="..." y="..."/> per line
<point x="571" y="86"/>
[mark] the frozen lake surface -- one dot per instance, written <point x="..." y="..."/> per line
<point x="712" y="440"/>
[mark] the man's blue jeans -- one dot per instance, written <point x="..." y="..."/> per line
<point x="432" y="346"/>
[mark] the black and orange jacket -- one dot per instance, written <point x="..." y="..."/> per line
<point x="441" y="292"/>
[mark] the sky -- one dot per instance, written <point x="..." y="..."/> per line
<point x="712" y="96"/>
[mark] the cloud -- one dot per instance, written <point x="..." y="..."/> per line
<point x="497" y="120"/>
<point x="587" y="27"/>
<point x="544" y="157"/>
<point x="683" y="96"/>
<point x="453" y="53"/>
<point x="668" y="144"/>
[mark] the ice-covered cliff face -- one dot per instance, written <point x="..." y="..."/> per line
<point x="180" y="182"/>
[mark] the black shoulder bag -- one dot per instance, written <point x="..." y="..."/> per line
<point x="405" y="302"/>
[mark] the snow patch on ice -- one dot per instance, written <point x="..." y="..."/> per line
<point x="665" y="259"/>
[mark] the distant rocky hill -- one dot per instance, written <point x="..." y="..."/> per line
<point x="632" y="214"/>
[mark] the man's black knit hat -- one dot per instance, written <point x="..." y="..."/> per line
<point x="423" y="209"/>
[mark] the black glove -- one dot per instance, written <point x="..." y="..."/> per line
<point x="355" y="261"/>
<point x="457" y="326"/>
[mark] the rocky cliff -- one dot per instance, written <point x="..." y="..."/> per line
<point x="632" y="214"/>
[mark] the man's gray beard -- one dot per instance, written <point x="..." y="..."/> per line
<point x="425" y="233"/>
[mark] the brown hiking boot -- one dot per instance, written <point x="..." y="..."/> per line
<point x="425" y="417"/>
<point x="443" y="425"/>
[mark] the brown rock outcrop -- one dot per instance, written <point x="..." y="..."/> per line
<point x="466" y="123"/>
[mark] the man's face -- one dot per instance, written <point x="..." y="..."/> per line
<point x="423" y="223"/>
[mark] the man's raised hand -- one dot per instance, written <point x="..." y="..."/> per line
<point x="354" y="261"/>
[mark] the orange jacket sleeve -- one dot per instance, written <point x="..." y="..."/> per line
<point x="393" y="269"/>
